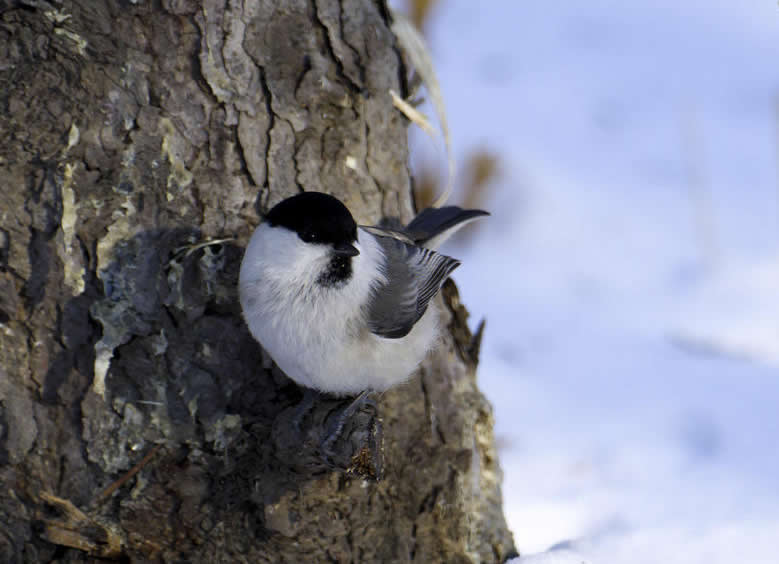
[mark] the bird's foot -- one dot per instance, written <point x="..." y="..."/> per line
<point x="356" y="431"/>
<point x="339" y="434"/>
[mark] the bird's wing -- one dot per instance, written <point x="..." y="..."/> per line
<point x="414" y="276"/>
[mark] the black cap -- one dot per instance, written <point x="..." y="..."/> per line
<point x="316" y="218"/>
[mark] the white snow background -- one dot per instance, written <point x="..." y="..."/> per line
<point x="629" y="273"/>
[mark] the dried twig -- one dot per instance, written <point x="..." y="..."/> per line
<point x="130" y="473"/>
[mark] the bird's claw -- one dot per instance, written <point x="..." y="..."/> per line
<point x="324" y="431"/>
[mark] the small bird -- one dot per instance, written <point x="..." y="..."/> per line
<point x="342" y="308"/>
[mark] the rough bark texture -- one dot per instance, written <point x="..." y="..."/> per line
<point x="130" y="132"/>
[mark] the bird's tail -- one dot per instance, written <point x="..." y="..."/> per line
<point x="433" y="226"/>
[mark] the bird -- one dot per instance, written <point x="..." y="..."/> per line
<point x="342" y="308"/>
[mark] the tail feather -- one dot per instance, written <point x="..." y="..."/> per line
<point x="434" y="225"/>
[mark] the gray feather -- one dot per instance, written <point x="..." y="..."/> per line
<point x="434" y="225"/>
<point x="414" y="275"/>
<point x="384" y="232"/>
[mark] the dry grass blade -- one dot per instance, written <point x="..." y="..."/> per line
<point x="413" y="45"/>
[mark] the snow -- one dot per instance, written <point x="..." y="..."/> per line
<point x="630" y="271"/>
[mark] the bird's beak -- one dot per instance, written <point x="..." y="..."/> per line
<point x="346" y="250"/>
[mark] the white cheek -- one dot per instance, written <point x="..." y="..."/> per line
<point x="278" y="255"/>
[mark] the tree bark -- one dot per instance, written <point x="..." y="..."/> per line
<point x="138" y="418"/>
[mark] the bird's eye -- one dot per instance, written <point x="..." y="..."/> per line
<point x="309" y="237"/>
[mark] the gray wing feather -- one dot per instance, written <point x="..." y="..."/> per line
<point x="437" y="224"/>
<point x="414" y="276"/>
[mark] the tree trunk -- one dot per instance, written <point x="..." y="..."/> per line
<point x="138" y="418"/>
